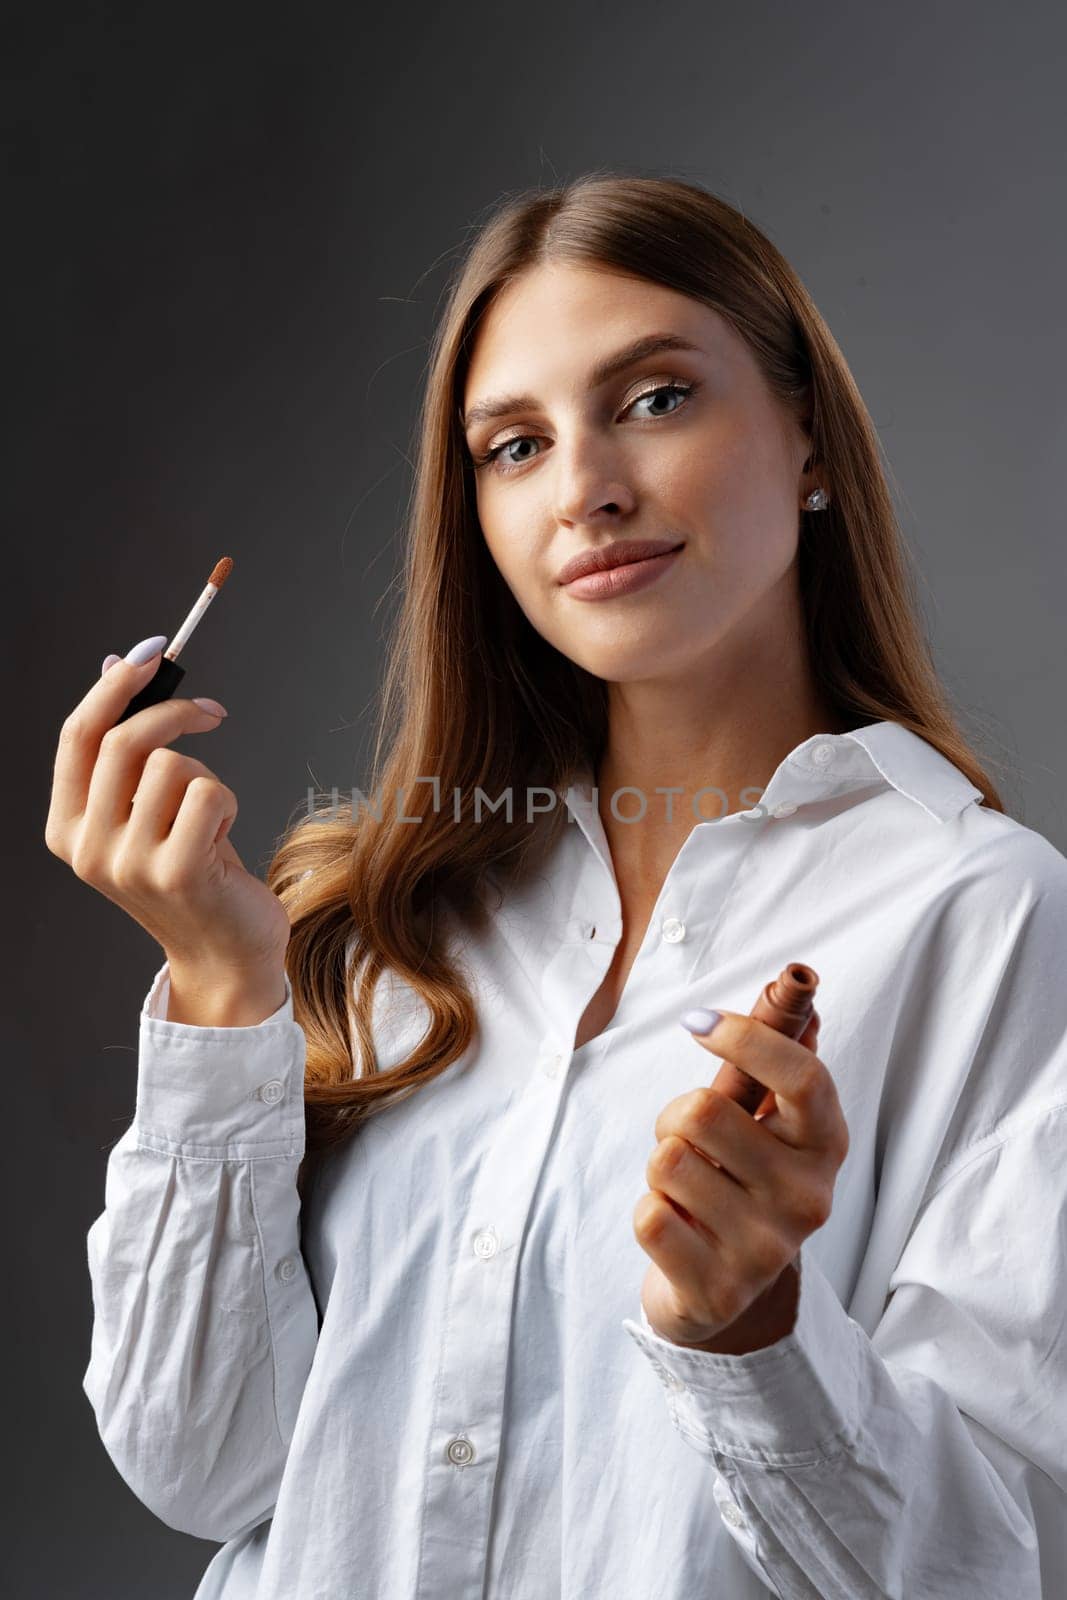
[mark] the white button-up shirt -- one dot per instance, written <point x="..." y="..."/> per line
<point x="437" y="1381"/>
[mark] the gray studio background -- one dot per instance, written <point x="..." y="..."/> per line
<point x="227" y="233"/>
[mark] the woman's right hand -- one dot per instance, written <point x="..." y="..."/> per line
<point x="147" y="827"/>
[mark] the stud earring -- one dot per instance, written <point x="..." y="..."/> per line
<point x="817" y="500"/>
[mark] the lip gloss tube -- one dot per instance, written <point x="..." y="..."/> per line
<point x="787" y="1003"/>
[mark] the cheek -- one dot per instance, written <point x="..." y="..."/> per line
<point x="522" y="568"/>
<point x="708" y="483"/>
<point x="515" y="560"/>
<point x="738" y="491"/>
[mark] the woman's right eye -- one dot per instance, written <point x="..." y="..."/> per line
<point x="492" y="455"/>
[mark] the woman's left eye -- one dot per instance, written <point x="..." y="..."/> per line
<point x="682" y="389"/>
<point x="490" y="457"/>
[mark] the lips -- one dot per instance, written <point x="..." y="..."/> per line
<point x="617" y="554"/>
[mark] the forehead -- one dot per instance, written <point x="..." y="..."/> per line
<point x="559" y="317"/>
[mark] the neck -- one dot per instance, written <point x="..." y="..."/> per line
<point x="728" y="724"/>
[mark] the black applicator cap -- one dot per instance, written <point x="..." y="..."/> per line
<point x="161" y="686"/>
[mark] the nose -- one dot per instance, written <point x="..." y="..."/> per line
<point x="587" y="484"/>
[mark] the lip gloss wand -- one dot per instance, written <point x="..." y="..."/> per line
<point x="169" y="674"/>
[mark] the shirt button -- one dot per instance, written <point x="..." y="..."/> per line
<point x="785" y="809"/>
<point x="733" y="1515"/>
<point x="674" y="1382"/>
<point x="272" y="1091"/>
<point x="673" y="930"/>
<point x="822" y="754"/>
<point x="485" y="1243"/>
<point x="287" y="1269"/>
<point x="460" y="1452"/>
<point x="552" y="1066"/>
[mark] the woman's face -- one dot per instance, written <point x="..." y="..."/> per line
<point x="714" y="465"/>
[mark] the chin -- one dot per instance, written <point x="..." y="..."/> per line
<point x="635" y="662"/>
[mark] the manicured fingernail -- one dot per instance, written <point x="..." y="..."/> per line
<point x="109" y="661"/>
<point x="701" y="1020"/>
<point x="213" y="706"/>
<point x="142" y="653"/>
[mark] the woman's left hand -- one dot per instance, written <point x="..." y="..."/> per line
<point x="731" y="1198"/>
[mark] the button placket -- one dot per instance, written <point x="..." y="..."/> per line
<point x="468" y="1394"/>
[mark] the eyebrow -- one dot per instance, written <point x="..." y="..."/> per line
<point x="649" y="345"/>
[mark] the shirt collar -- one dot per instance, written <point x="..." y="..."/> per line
<point x="830" y="764"/>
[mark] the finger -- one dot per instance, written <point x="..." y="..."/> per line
<point x="79" y="740"/>
<point x="683" y="1253"/>
<point x="703" y="1274"/>
<point x="753" y="1240"/>
<point x="722" y="1134"/>
<point x="811" y="1033"/>
<point x="124" y="749"/>
<point x="165" y="778"/>
<point x="810" y="1040"/>
<point x="804" y="1090"/>
<point x="204" y="819"/>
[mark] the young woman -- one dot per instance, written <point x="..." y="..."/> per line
<point x="432" y="1264"/>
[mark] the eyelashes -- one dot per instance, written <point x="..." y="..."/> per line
<point x="684" y="388"/>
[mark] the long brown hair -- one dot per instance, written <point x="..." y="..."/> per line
<point x="474" y="696"/>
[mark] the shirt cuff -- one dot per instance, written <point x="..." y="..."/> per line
<point x="219" y="1093"/>
<point x="792" y="1402"/>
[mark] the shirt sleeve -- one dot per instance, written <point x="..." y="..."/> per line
<point x="205" y="1324"/>
<point x="931" y="1458"/>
